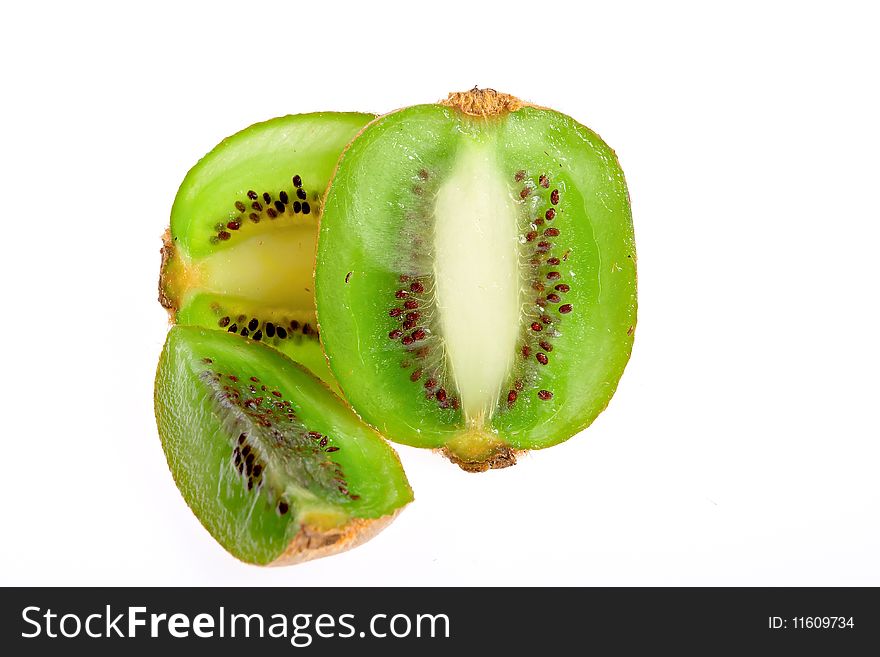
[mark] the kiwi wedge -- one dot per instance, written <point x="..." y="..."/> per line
<point x="275" y="466"/>
<point x="476" y="276"/>
<point x="239" y="253"/>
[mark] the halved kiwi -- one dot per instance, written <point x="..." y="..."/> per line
<point x="275" y="466"/>
<point x="239" y="254"/>
<point x="476" y="276"/>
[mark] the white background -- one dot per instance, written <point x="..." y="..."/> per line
<point x="742" y="446"/>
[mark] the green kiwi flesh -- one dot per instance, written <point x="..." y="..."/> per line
<point x="274" y="465"/>
<point x="476" y="277"/>
<point x="239" y="254"/>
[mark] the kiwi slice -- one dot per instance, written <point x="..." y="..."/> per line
<point x="476" y="276"/>
<point x="239" y="254"/>
<point x="275" y="466"/>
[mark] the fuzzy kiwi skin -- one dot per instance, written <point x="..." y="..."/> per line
<point x="354" y="275"/>
<point x="195" y="437"/>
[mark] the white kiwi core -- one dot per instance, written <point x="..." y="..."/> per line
<point x="476" y="268"/>
<point x="274" y="268"/>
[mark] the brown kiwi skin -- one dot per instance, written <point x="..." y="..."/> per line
<point x="165" y="295"/>
<point x="502" y="457"/>
<point x="476" y="102"/>
<point x="313" y="543"/>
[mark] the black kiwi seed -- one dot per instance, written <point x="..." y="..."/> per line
<point x="223" y="323"/>
<point x="306" y="208"/>
<point x="282" y="505"/>
<point x="239" y="206"/>
<point x="254" y="217"/>
<point x="266" y="198"/>
<point x="282" y="333"/>
<point x="282" y="196"/>
<point x="245" y="332"/>
<point x="270" y="330"/>
<point x="258" y="336"/>
<point x="279" y="206"/>
<point x="297" y="207"/>
<point x="252" y="195"/>
<point x="232" y="329"/>
<point x="297" y="181"/>
<point x="301" y="194"/>
<point x="271" y="212"/>
<point x="253" y="324"/>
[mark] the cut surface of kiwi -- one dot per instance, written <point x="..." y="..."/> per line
<point x="476" y="276"/>
<point x="239" y="254"/>
<point x="275" y="466"/>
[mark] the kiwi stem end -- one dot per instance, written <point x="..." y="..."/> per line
<point x="175" y="277"/>
<point x="482" y="102"/>
<point x="478" y="452"/>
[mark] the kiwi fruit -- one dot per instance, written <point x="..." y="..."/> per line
<point x="276" y="467"/>
<point x="476" y="276"/>
<point x="239" y="253"/>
